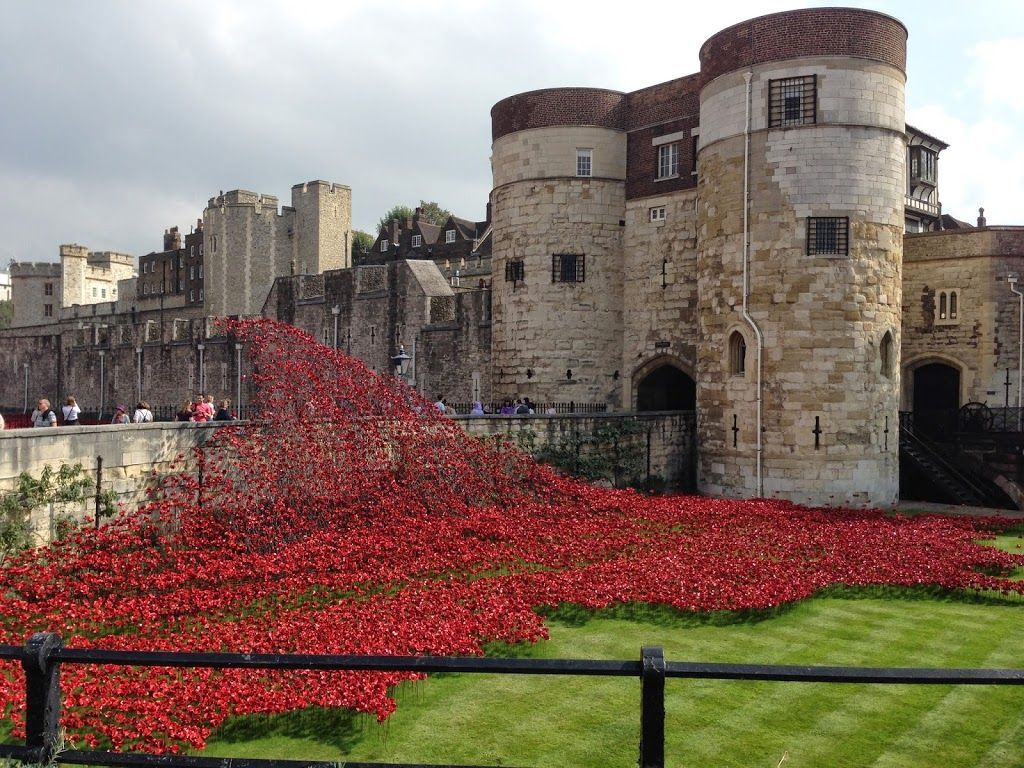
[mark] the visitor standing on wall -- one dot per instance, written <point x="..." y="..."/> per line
<point x="71" y="412"/>
<point x="42" y="416"/>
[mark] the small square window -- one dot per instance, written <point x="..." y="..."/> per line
<point x="514" y="270"/>
<point x="827" y="236"/>
<point x="567" y="268"/>
<point x="658" y="213"/>
<point x="48" y="310"/>
<point x="449" y="235"/>
<point x="48" y="289"/>
<point x="417" y="241"/>
<point x="584" y="162"/>
<point x="792" y="101"/>
<point x="668" y="161"/>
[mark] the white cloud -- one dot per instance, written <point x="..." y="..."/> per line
<point x="995" y="73"/>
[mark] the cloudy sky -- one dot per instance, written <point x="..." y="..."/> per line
<point x="119" y="119"/>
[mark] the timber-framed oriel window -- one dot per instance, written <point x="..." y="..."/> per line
<point x="828" y="236"/>
<point x="567" y="268"/>
<point x="793" y="101"/>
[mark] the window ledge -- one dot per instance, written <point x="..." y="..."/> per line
<point x="666" y="178"/>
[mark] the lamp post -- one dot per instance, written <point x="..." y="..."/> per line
<point x="25" y="366"/>
<point x="401" y="364"/>
<point x="336" y="310"/>
<point x="202" y="368"/>
<point x="1012" y="281"/>
<point x="138" y="374"/>
<point x="238" y="382"/>
<point x="103" y="388"/>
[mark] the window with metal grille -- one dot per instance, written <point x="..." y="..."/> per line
<point x="828" y="235"/>
<point x="514" y="270"/>
<point x="668" y="161"/>
<point x="567" y="268"/>
<point x="792" y="101"/>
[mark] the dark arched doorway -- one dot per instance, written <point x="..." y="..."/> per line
<point x="936" y="399"/>
<point x="666" y="389"/>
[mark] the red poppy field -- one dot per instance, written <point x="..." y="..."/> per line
<point x="355" y="519"/>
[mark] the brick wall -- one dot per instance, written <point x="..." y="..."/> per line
<point x="847" y="32"/>
<point x="558" y="106"/>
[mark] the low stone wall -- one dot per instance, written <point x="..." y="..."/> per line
<point x="666" y="439"/>
<point x="131" y="454"/>
<point x="134" y="453"/>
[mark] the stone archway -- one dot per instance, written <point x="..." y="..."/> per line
<point x="936" y="398"/>
<point x="666" y="388"/>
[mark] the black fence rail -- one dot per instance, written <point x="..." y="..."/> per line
<point x="540" y="409"/>
<point x="969" y="419"/>
<point x="44" y="653"/>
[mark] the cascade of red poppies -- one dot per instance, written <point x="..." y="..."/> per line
<point x="353" y="518"/>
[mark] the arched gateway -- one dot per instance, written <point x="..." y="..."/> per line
<point x="666" y="388"/>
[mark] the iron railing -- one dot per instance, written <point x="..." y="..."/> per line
<point x="44" y="653"/>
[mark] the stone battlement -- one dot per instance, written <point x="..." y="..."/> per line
<point x="35" y="269"/>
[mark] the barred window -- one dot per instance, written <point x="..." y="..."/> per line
<point x="792" y="101"/>
<point x="567" y="268"/>
<point x="514" y="270"/>
<point x="828" y="235"/>
<point x="668" y="161"/>
<point x="584" y="162"/>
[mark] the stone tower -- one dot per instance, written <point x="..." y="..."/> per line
<point x="800" y="221"/>
<point x="74" y="262"/>
<point x="558" y="203"/>
<point x="323" y="223"/>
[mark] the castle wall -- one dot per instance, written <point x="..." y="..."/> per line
<point x="982" y="341"/>
<point x="822" y="317"/>
<point x="323" y="223"/>
<point x="556" y="339"/>
<point x="660" y="262"/>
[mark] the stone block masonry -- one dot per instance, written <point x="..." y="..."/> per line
<point x="135" y="455"/>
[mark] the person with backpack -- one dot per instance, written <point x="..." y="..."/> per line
<point x="42" y="416"/>
<point x="142" y="413"/>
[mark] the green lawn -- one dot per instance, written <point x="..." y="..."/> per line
<point x="550" y="721"/>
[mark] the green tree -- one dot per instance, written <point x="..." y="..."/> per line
<point x="431" y="212"/>
<point x="6" y="313"/>
<point x="362" y="242"/>
<point x="400" y="212"/>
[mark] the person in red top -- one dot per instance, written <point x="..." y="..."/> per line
<point x="204" y="408"/>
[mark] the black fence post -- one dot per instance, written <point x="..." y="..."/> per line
<point x="42" y="696"/>
<point x="99" y="488"/>
<point x="652" y="707"/>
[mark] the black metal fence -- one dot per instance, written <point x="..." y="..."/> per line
<point x="43" y="654"/>
<point x="539" y="409"/>
<point x="970" y="419"/>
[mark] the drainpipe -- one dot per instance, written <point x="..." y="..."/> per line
<point x="747" y="76"/>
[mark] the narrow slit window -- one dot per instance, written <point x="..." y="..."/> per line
<point x="737" y="354"/>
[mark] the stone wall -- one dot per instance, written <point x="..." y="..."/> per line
<point x="659" y="264"/>
<point x="982" y="341"/>
<point x="670" y="437"/>
<point x="134" y="454"/>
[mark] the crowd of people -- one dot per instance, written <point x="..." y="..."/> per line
<point x="520" y="406"/>
<point x="201" y="409"/>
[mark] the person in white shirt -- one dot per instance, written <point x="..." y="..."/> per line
<point x="142" y="413"/>
<point x="71" y="412"/>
